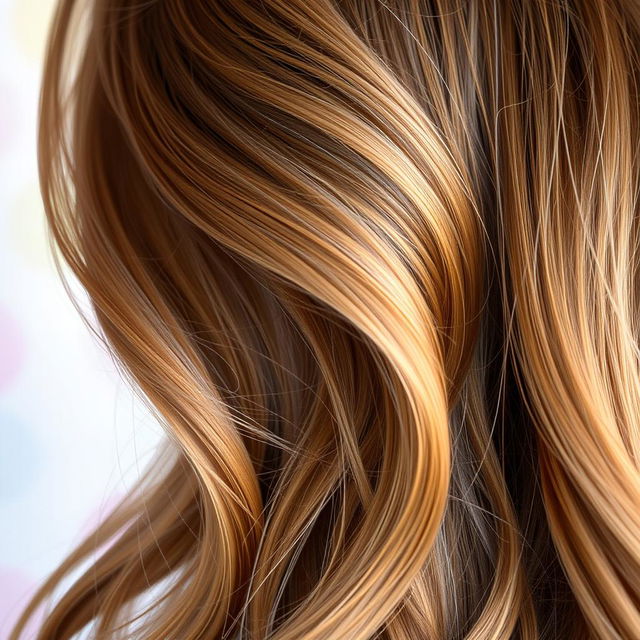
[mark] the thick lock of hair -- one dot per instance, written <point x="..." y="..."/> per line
<point x="374" y="266"/>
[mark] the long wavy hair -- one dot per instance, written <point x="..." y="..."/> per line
<point x="374" y="264"/>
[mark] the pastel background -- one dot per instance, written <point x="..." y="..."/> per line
<point x="72" y="435"/>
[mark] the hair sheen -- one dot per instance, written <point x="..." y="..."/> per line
<point x="374" y="264"/>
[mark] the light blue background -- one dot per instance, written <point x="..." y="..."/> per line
<point x="72" y="435"/>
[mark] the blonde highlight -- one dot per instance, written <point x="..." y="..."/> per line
<point x="374" y="265"/>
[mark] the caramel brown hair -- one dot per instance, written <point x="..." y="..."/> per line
<point x="374" y="265"/>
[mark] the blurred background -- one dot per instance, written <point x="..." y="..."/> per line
<point x="73" y="437"/>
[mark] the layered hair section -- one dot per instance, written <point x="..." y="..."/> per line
<point x="373" y="263"/>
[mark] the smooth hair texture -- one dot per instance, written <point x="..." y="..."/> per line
<point x="374" y="264"/>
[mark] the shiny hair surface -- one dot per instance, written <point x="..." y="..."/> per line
<point x="374" y="265"/>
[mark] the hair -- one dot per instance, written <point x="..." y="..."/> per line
<point x="373" y="264"/>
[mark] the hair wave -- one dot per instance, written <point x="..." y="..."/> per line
<point x="374" y="265"/>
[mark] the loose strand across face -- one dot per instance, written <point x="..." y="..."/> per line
<point x="373" y="266"/>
